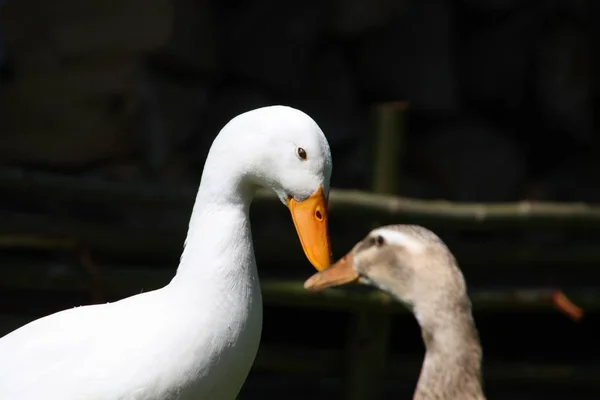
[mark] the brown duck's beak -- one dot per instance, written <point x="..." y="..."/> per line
<point x="310" y="219"/>
<point x="340" y="273"/>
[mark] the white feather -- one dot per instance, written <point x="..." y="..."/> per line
<point x="400" y="239"/>
<point x="197" y="337"/>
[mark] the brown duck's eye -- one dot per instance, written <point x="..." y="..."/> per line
<point x="379" y="240"/>
<point x="301" y="153"/>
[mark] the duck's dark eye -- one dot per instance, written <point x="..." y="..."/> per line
<point x="379" y="240"/>
<point x="301" y="153"/>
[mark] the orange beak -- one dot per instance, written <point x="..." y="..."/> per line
<point x="310" y="220"/>
<point x="340" y="273"/>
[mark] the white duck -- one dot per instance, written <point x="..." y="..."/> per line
<point x="197" y="337"/>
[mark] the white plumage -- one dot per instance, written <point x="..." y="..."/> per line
<point x="197" y="337"/>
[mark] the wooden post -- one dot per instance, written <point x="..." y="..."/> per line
<point x="388" y="148"/>
<point x="369" y="336"/>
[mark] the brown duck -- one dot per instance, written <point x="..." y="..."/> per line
<point x="414" y="266"/>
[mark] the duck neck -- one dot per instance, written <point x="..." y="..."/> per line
<point x="218" y="252"/>
<point x="452" y="365"/>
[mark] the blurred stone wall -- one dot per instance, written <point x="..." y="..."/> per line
<point x="499" y="91"/>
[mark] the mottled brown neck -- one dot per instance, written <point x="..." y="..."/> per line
<point x="452" y="365"/>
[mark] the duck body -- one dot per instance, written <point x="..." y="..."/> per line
<point x="195" y="338"/>
<point x="174" y="350"/>
<point x="180" y="368"/>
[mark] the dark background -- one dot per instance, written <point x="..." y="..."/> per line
<point x="502" y="98"/>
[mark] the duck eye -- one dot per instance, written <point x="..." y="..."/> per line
<point x="379" y="240"/>
<point x="301" y="153"/>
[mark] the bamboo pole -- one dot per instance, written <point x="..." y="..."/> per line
<point x="389" y="118"/>
<point x="369" y="335"/>
<point x="361" y="205"/>
<point x="391" y="209"/>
